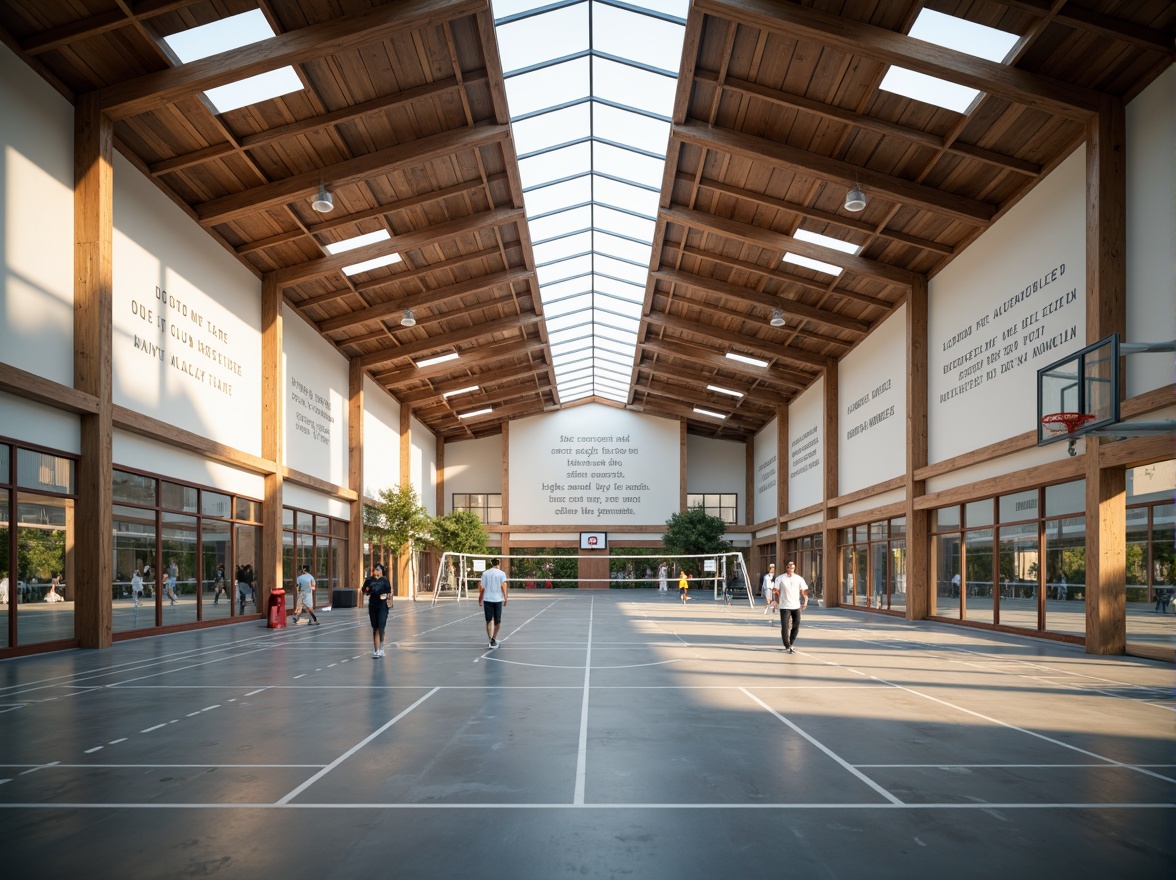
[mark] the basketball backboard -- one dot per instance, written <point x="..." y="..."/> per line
<point x="1079" y="393"/>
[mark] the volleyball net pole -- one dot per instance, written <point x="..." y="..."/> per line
<point x="457" y="573"/>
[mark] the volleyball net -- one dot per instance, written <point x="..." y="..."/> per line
<point x="725" y="574"/>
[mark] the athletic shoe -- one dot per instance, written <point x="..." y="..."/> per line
<point x="494" y="643"/>
<point x="792" y="650"/>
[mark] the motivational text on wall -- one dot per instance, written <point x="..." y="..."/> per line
<point x="311" y="411"/>
<point x="188" y="341"/>
<point x="600" y="476"/>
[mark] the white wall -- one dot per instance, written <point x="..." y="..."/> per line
<point x="25" y="420"/>
<point x="1151" y="231"/>
<point x="315" y="388"/>
<point x="767" y="471"/>
<point x="473" y="466"/>
<point x="381" y="440"/>
<point x="143" y="454"/>
<point x="714" y="465"/>
<point x="308" y="499"/>
<point x="638" y="453"/>
<point x="36" y="223"/>
<point x="871" y="395"/>
<point x="423" y="467"/>
<point x="1012" y="302"/>
<point x="187" y="320"/>
<point x="806" y="447"/>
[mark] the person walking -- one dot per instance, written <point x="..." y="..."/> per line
<point x="379" y="593"/>
<point x="173" y="571"/>
<point x="792" y="596"/>
<point x="492" y="596"/>
<point x="663" y="574"/>
<point x="305" y="583"/>
<point x="219" y="582"/>
<point x="244" y="586"/>
<point x="683" y="587"/>
<point x="137" y="587"/>
<point x="768" y="589"/>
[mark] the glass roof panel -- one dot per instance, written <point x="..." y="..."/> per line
<point x="538" y="38"/>
<point x="555" y="225"/>
<point x="609" y="184"/>
<point x="556" y="164"/>
<point x="550" y="129"/>
<point x="559" y="195"/>
<point x="639" y="37"/>
<point x="562" y="248"/>
<point x="624" y="195"/>
<point x="632" y="86"/>
<point x="628" y="165"/>
<point x="548" y="87"/>
<point x="563" y="270"/>
<point x="627" y="127"/>
<point x="622" y="247"/>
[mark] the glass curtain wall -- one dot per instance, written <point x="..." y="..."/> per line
<point x="1065" y="558"/>
<point x="8" y="591"/>
<point x="132" y="597"/>
<point x="1151" y="553"/>
<point x="320" y="542"/>
<point x="809" y="565"/>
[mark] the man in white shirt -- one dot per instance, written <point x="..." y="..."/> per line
<point x="492" y="593"/>
<point x="305" y="584"/>
<point x="792" y="596"/>
<point x="768" y="588"/>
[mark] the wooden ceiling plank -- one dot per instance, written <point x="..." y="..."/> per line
<point x="387" y="161"/>
<point x="779" y="242"/>
<point x="435" y="297"/>
<point x="196" y="157"/>
<point x="84" y="28"/>
<point x="761" y="394"/>
<point x="483" y="379"/>
<point x="1116" y="28"/>
<point x="155" y="90"/>
<point x="1051" y="96"/>
<point x="698" y="354"/>
<point x="484" y="354"/>
<point x="760" y="348"/>
<point x="447" y="340"/>
<point x="845" y="173"/>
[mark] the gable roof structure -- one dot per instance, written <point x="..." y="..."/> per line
<point x="405" y="117"/>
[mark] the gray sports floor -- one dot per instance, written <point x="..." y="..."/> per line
<point x="613" y="734"/>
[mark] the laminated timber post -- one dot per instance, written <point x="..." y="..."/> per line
<point x="918" y="533"/>
<point x="355" y="405"/>
<point x="272" y="420"/>
<point x="93" y="549"/>
<point x="829" y="558"/>
<point x="1106" y="313"/>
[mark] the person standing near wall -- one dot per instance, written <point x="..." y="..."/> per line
<point x="663" y="573"/>
<point x="219" y="582"/>
<point x="768" y="588"/>
<point x="492" y="596"/>
<point x="173" y="571"/>
<point x="137" y="587"/>
<point x="379" y="593"/>
<point x="792" y="596"/>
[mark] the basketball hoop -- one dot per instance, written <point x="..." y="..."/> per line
<point x="1069" y="422"/>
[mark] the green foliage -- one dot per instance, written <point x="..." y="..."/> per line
<point x="458" y="532"/>
<point x="41" y="553"/>
<point x="397" y="520"/>
<point x="561" y="572"/>
<point x="694" y="532"/>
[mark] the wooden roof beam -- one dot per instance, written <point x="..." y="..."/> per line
<point x="438" y="296"/>
<point x="422" y="238"/>
<point x="468" y="402"/>
<point x="796" y="22"/>
<point x="103" y="22"/>
<point x="436" y="345"/>
<point x="155" y="90"/>
<point x="473" y="358"/>
<point x="723" y="342"/>
<point x="483" y="379"/>
<point x="760" y="395"/>
<point x="738" y="293"/>
<point x="386" y="161"/>
<point x="971" y="211"/>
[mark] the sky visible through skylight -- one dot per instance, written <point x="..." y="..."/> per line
<point x="590" y="86"/>
<point x="950" y="32"/>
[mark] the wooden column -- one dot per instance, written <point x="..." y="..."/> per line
<point x="918" y="533"/>
<point x="273" y="410"/>
<point x="1106" y="313"/>
<point x="355" y="408"/>
<point x="782" y="467"/>
<point x="830" y="563"/>
<point x="93" y="370"/>
<point x="403" y="568"/>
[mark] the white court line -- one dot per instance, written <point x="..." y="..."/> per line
<point x="862" y="776"/>
<point x="351" y="751"/>
<point x="155" y="805"/>
<point x="582" y="749"/>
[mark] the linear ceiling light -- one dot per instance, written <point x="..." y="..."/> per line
<point x="744" y="359"/>
<point x="475" y="413"/>
<point x="465" y="390"/>
<point x="368" y="265"/>
<point x="440" y="359"/>
<point x="718" y="389"/>
<point x="707" y="412"/>
<point x="350" y="244"/>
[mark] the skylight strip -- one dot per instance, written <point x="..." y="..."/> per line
<point x="554" y="6"/>
<point x="810" y="263"/>
<point x="542" y="65"/>
<point x="593" y="99"/>
<point x="564" y="259"/>
<point x="605" y="175"/>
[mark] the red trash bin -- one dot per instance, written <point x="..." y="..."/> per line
<point x="277" y="609"/>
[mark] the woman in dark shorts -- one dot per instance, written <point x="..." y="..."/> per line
<point x="379" y="593"/>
